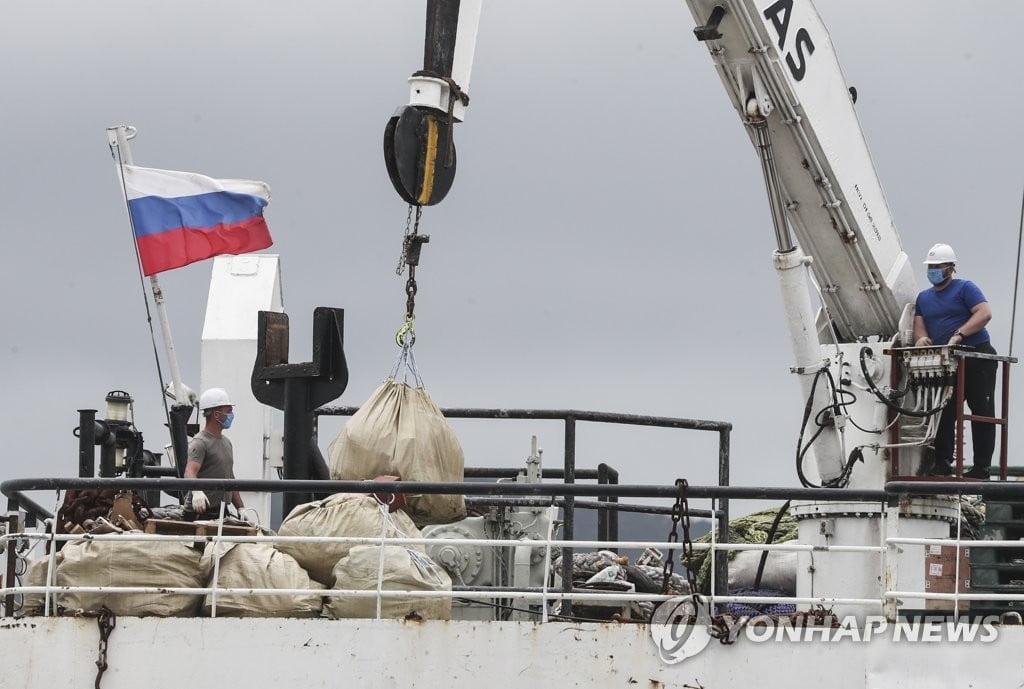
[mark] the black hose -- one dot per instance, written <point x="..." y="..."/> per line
<point x="801" y="449"/>
<point x="885" y="400"/>
<point x="843" y="479"/>
<point x="771" y="537"/>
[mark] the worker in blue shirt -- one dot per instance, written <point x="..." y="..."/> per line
<point x="955" y="312"/>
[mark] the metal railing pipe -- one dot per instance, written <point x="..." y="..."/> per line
<point x="13" y="487"/>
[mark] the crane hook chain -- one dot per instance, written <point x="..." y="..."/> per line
<point x="412" y="243"/>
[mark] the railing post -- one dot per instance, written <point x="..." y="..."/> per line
<point x="568" y="527"/>
<point x="956" y="566"/>
<point x="12" y="556"/>
<point x="721" y="559"/>
<point x="958" y="450"/>
<point x="1003" y="434"/>
<point x="890" y="570"/>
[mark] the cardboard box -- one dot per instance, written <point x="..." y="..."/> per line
<point x="940" y="574"/>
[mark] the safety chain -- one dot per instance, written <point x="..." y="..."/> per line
<point x="106" y="622"/>
<point x="412" y="243"/>
<point x="725" y="628"/>
<point x="680" y="514"/>
<point x="405" y="238"/>
<point x="722" y="627"/>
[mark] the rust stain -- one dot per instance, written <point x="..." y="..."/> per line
<point x="18" y="625"/>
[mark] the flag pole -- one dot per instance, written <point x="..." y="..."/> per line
<point x="177" y="420"/>
<point x="118" y="137"/>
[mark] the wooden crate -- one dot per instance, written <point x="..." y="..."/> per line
<point x="174" y="527"/>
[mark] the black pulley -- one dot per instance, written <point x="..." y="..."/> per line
<point x="420" y="154"/>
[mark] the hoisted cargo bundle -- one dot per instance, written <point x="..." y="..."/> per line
<point x="339" y="515"/>
<point x="404" y="569"/>
<point x="401" y="431"/>
<point x="260" y="566"/>
<point x="162" y="564"/>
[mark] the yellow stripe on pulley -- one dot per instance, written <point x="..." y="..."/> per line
<point x="427" y="183"/>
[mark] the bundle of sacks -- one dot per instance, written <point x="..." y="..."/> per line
<point x="167" y="564"/>
<point x="113" y="563"/>
<point x="259" y="566"/>
<point x="355" y="566"/>
<point x="35" y="575"/>
<point x="400" y="431"/>
<point x="402" y="569"/>
<point x="160" y="564"/>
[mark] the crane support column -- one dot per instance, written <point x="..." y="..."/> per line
<point x="808" y="360"/>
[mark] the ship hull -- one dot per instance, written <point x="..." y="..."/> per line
<point x="62" y="652"/>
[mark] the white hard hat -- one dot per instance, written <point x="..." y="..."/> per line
<point x="214" y="397"/>
<point x="940" y="253"/>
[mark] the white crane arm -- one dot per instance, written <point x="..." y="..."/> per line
<point x="777" y="55"/>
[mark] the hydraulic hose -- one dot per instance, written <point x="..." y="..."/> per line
<point x="864" y="352"/>
<point x="843" y="479"/>
<point x="771" y="537"/>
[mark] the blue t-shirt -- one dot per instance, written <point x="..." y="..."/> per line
<point x="945" y="310"/>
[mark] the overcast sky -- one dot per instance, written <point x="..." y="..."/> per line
<point x="606" y="246"/>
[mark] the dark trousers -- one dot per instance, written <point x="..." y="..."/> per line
<point x="979" y="391"/>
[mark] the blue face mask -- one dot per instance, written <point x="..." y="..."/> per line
<point x="226" y="421"/>
<point x="936" y="276"/>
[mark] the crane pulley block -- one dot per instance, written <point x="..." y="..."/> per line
<point x="420" y="154"/>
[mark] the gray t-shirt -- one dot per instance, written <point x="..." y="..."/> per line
<point x="216" y="459"/>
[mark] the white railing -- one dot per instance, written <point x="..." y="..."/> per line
<point x="888" y="598"/>
<point x="545" y="596"/>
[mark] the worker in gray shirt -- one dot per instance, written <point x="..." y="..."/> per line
<point x="210" y="454"/>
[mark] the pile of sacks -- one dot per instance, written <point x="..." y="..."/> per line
<point x="287" y="565"/>
<point x="399" y="432"/>
<point x="353" y="566"/>
<point x="127" y="563"/>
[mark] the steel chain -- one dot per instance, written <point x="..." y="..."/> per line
<point x="670" y="560"/>
<point x="410" y="294"/>
<point x="680" y="515"/>
<point x="405" y="241"/>
<point x="412" y="241"/>
<point x="106" y="622"/>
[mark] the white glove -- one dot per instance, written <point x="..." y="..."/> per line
<point x="200" y="503"/>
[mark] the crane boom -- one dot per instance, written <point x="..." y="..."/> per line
<point x="777" y="55"/>
<point x="776" y="60"/>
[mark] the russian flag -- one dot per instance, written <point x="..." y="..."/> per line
<point x="183" y="217"/>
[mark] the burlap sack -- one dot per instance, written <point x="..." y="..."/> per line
<point x="260" y="566"/>
<point x="339" y="515"/>
<point x="404" y="570"/>
<point x="132" y="563"/>
<point x="35" y="575"/>
<point x="400" y="431"/>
